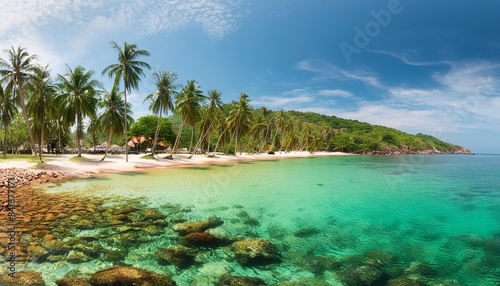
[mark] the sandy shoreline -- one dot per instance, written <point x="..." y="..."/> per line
<point x="116" y="163"/>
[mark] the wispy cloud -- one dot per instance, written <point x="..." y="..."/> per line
<point x="325" y="70"/>
<point x="407" y="58"/>
<point x="300" y="98"/>
<point x="217" y="18"/>
<point x="335" y="92"/>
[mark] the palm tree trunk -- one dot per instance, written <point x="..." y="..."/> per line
<point x="230" y="141"/>
<point x="5" y="140"/>
<point x="78" y="134"/>
<point x="40" y="143"/>
<point x="26" y="119"/>
<point x="218" y="139"/>
<point x="108" y="142"/>
<point x="200" y="140"/>
<point x="156" y="134"/>
<point x="192" y="139"/>
<point x="126" y="118"/>
<point x="177" y="139"/>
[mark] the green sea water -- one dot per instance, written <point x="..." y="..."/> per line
<point x="441" y="211"/>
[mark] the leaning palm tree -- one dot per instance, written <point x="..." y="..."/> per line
<point x="40" y="91"/>
<point x="113" y="120"/>
<point x="16" y="71"/>
<point x="7" y="110"/>
<point x="211" y="116"/>
<point x="239" y="120"/>
<point x="79" y="98"/>
<point x="187" y="107"/>
<point x="128" y="69"/>
<point x="161" y="99"/>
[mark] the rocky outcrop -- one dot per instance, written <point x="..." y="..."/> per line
<point x="125" y="275"/>
<point x="406" y="150"/>
<point x="255" y="252"/>
<point x="22" y="177"/>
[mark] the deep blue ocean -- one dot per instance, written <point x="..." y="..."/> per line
<point x="430" y="218"/>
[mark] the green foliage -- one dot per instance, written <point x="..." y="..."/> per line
<point x="146" y="126"/>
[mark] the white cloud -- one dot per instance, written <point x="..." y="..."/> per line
<point x="335" y="92"/>
<point x="325" y="70"/>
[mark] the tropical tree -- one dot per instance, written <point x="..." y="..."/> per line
<point x="240" y="119"/>
<point x="212" y="109"/>
<point x="187" y="107"/>
<point x="16" y="71"/>
<point x="113" y="120"/>
<point x="40" y="92"/>
<point x="79" y="98"/>
<point x="280" y="122"/>
<point x="129" y="69"/>
<point x="93" y="128"/>
<point x="161" y="99"/>
<point x="7" y="111"/>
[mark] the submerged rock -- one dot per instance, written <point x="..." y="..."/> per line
<point x="37" y="253"/>
<point x="22" y="278"/>
<point x="177" y="255"/>
<point x="229" y="280"/>
<point x="306" y="232"/>
<point x="379" y="259"/>
<point x="199" y="239"/>
<point x="84" y="224"/>
<point x="75" y="256"/>
<point x="361" y="276"/>
<point x="185" y="228"/>
<point x="152" y="214"/>
<point x="125" y="275"/>
<point x="305" y="282"/>
<point x="73" y="282"/>
<point x="421" y="269"/>
<point x="402" y="281"/>
<point x="255" y="252"/>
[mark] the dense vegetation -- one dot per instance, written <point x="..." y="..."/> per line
<point x="75" y="110"/>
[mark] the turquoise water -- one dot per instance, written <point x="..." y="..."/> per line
<point x="441" y="210"/>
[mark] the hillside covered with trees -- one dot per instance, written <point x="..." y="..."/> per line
<point x="40" y="113"/>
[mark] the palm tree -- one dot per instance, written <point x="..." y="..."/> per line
<point x="128" y="69"/>
<point x="40" y="91"/>
<point x="80" y="98"/>
<point x="212" y="110"/>
<point x="161" y="99"/>
<point x="16" y="70"/>
<point x="8" y="110"/>
<point x="93" y="128"/>
<point x="280" y="122"/>
<point x="240" y="119"/>
<point x="113" y="119"/>
<point x="187" y="106"/>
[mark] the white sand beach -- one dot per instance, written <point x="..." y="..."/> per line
<point x="92" y="165"/>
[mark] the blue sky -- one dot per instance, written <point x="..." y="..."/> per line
<point x="419" y="66"/>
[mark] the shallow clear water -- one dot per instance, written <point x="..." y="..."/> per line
<point x="438" y="210"/>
